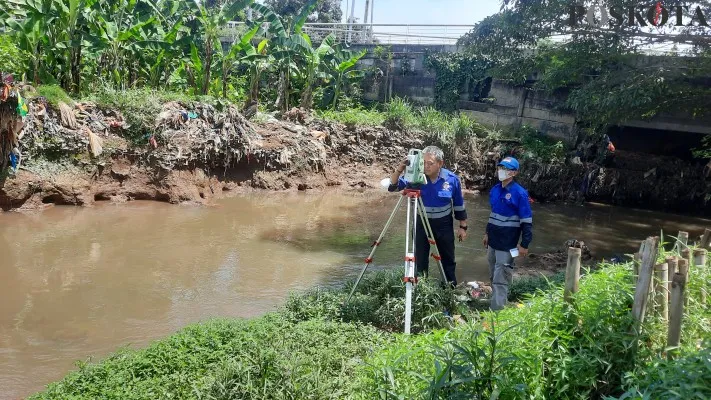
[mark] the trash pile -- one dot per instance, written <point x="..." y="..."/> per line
<point x="70" y="130"/>
<point x="200" y="135"/>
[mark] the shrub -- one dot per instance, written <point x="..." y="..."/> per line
<point x="399" y="115"/>
<point x="354" y="117"/>
<point x="267" y="358"/>
<point x="12" y="59"/>
<point x="545" y="349"/>
<point x="378" y="300"/>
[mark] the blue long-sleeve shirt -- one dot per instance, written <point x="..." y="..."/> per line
<point x="511" y="217"/>
<point x="441" y="197"/>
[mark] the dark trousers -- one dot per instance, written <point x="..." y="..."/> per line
<point x="443" y="231"/>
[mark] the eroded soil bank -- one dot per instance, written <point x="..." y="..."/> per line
<point x="195" y="153"/>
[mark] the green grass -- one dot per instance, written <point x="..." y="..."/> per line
<point x="54" y="95"/>
<point x="354" y="117"/>
<point x="545" y="349"/>
<point x="315" y="347"/>
<point x="264" y="358"/>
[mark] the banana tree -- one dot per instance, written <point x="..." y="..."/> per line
<point x="342" y="72"/>
<point x="314" y="58"/>
<point x="258" y="60"/>
<point x="211" y="21"/>
<point x="28" y="21"/>
<point x="230" y="59"/>
<point x="290" y="47"/>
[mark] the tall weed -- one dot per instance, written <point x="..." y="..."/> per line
<point x="399" y="115"/>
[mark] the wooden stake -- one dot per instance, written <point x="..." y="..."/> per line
<point x="705" y="239"/>
<point x="682" y="240"/>
<point x="661" y="290"/>
<point x="700" y="262"/>
<point x="638" y="259"/>
<point x="700" y="258"/>
<point x="572" y="273"/>
<point x="684" y="270"/>
<point x="676" y="312"/>
<point x="672" y="268"/>
<point x="641" y="294"/>
<point x="686" y="255"/>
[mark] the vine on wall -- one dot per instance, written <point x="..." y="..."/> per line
<point x="456" y="74"/>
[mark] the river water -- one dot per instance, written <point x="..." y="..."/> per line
<point x="77" y="283"/>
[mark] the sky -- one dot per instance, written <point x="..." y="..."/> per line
<point x="445" y="12"/>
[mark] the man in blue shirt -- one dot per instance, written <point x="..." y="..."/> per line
<point x="510" y="219"/>
<point x="442" y="198"/>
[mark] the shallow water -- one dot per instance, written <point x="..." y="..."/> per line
<point x="77" y="283"/>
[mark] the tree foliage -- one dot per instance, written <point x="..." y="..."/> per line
<point x="184" y="46"/>
<point x="602" y="69"/>
<point x="325" y="11"/>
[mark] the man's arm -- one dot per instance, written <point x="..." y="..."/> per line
<point x="526" y="215"/>
<point x="396" y="182"/>
<point x="460" y="212"/>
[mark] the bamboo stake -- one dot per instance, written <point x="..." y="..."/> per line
<point x="705" y="239"/>
<point x="672" y="268"/>
<point x="677" y="313"/>
<point x="700" y="258"/>
<point x="661" y="290"/>
<point x="700" y="262"/>
<point x="638" y="259"/>
<point x="641" y="294"/>
<point x="572" y="273"/>
<point x="682" y="240"/>
<point x="686" y="255"/>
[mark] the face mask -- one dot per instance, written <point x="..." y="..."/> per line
<point x="503" y="174"/>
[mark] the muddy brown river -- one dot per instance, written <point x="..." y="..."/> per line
<point x="78" y="283"/>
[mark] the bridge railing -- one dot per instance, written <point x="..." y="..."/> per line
<point x="376" y="33"/>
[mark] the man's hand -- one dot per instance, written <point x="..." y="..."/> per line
<point x="485" y="241"/>
<point x="522" y="251"/>
<point x="402" y="166"/>
<point x="461" y="234"/>
<point x="398" y="171"/>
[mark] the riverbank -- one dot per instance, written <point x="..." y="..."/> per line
<point x="153" y="147"/>
<point x="314" y="347"/>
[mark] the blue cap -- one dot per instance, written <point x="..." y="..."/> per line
<point x="510" y="163"/>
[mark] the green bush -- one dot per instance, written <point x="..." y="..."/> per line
<point x="542" y="349"/>
<point x="540" y="148"/>
<point x="12" y="59"/>
<point x="688" y="377"/>
<point x="266" y="358"/>
<point x="399" y="115"/>
<point x="353" y="117"/>
<point x="378" y="300"/>
<point x="524" y="286"/>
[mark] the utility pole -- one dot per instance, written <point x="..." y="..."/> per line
<point x="367" y="6"/>
<point x="372" y="6"/>
<point x="351" y="20"/>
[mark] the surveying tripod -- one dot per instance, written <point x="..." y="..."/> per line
<point x="415" y="207"/>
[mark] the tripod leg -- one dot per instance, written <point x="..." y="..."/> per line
<point x="410" y="262"/>
<point x="431" y="239"/>
<point x="375" y="246"/>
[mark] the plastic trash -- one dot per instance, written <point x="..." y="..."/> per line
<point x="385" y="183"/>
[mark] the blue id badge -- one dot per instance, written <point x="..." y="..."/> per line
<point x="445" y="193"/>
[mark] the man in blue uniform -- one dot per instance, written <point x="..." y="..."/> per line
<point x="510" y="219"/>
<point x="442" y="198"/>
